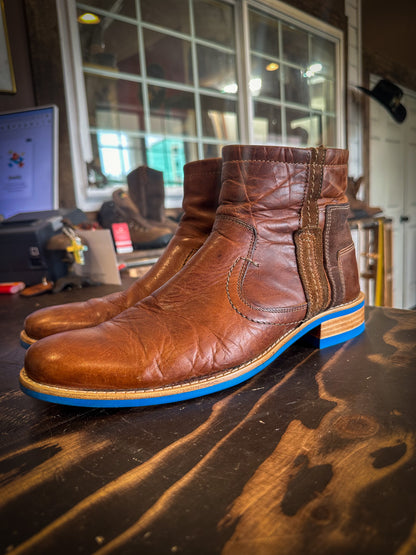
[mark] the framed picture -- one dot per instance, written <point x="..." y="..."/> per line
<point x="7" y="81"/>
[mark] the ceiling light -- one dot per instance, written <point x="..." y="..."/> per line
<point x="315" y="68"/>
<point x="89" y="18"/>
<point x="231" y="88"/>
<point x="255" y="85"/>
<point x="272" y="66"/>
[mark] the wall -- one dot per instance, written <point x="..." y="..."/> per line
<point x="389" y="40"/>
<point x="35" y="49"/>
<point x="17" y="31"/>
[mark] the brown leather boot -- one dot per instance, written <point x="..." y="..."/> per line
<point x="201" y="191"/>
<point x="147" y="191"/>
<point x="279" y="264"/>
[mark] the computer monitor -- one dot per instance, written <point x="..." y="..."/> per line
<point x="28" y="160"/>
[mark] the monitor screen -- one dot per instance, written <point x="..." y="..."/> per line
<point x="28" y="160"/>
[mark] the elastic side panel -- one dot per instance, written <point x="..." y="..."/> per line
<point x="308" y="240"/>
<point x="310" y="263"/>
<point x="338" y="249"/>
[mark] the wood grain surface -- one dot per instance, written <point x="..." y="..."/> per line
<point x="316" y="455"/>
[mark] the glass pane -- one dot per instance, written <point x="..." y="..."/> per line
<point x="217" y="70"/>
<point x="173" y="14"/>
<point x="269" y="75"/>
<point x="167" y="156"/>
<point x="296" y="86"/>
<point x="212" y="151"/>
<point x="114" y="103"/>
<point x="295" y="45"/>
<point x="264" y="33"/>
<point x="214" y="21"/>
<point x="127" y="7"/>
<point x="322" y="94"/>
<point x="172" y="112"/>
<point x="323" y="54"/>
<point x="267" y="124"/>
<point x="115" y="155"/>
<point x="329" y="131"/>
<point x="110" y="45"/>
<point x="167" y="57"/>
<point x="219" y="118"/>
<point x="301" y="129"/>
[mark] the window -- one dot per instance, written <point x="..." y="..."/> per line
<point x="161" y="83"/>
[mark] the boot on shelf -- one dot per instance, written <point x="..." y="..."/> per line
<point x="202" y="180"/>
<point x="359" y="209"/>
<point x="279" y="264"/>
<point x="144" y="234"/>
<point x="147" y="191"/>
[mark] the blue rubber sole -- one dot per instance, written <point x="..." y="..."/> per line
<point x="191" y="391"/>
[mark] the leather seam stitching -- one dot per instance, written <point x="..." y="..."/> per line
<point x="287" y="163"/>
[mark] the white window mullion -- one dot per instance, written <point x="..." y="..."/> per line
<point x="75" y="96"/>
<point x="245" y="102"/>
<point x="282" y="85"/>
<point x="143" y="72"/>
<point x="197" y="92"/>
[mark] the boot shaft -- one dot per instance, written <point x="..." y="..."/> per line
<point x="201" y="188"/>
<point x="147" y="190"/>
<point x="294" y="200"/>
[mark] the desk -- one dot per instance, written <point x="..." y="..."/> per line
<point x="316" y="455"/>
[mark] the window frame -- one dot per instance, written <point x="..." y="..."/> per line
<point x="90" y="199"/>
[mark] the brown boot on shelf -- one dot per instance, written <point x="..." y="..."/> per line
<point x="358" y="208"/>
<point x="147" y="191"/>
<point x="202" y="181"/>
<point x="279" y="264"/>
<point x="144" y="234"/>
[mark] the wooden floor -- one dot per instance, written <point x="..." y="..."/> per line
<point x="316" y="455"/>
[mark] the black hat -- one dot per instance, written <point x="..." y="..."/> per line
<point x="389" y="94"/>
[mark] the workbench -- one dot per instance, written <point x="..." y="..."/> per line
<point x="315" y="455"/>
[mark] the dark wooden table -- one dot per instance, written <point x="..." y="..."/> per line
<point x="316" y="455"/>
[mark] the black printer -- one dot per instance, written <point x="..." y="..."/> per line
<point x="23" y="240"/>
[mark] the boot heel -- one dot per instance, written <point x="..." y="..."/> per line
<point x="338" y="329"/>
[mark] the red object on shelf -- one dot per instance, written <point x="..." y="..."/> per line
<point x="10" y="287"/>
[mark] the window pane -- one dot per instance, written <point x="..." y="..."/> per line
<point x="329" y="131"/>
<point x="295" y="45"/>
<point x="111" y="44"/>
<point x="114" y="103"/>
<point x="217" y="70"/>
<point x="301" y="129"/>
<point x="219" y="118"/>
<point x="212" y="151"/>
<point x="214" y="21"/>
<point x="115" y="155"/>
<point x="296" y="86"/>
<point x="322" y="94"/>
<point x="167" y="156"/>
<point x="172" y="112"/>
<point x="269" y="75"/>
<point x="323" y="53"/>
<point x="167" y="57"/>
<point x="127" y="7"/>
<point x="267" y="124"/>
<point x="173" y="14"/>
<point x="264" y="33"/>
